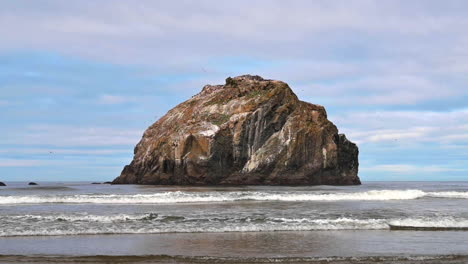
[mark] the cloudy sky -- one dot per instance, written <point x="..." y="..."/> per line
<point x="81" y="80"/>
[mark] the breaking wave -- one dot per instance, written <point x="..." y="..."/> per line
<point x="150" y="223"/>
<point x="195" y="197"/>
<point x="422" y="224"/>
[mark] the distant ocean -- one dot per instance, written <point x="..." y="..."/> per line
<point x="377" y="222"/>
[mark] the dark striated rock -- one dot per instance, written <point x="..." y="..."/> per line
<point x="2" y="184"/>
<point x="248" y="131"/>
<point x="32" y="183"/>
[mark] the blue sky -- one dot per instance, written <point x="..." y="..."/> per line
<point x="81" y="80"/>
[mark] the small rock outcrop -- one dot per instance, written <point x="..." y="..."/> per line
<point x="32" y="183"/>
<point x="2" y="184"/>
<point x="248" y="131"/>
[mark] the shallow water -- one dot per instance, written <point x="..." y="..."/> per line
<point x="252" y="221"/>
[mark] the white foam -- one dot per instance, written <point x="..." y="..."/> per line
<point x="197" y="197"/>
<point x="445" y="222"/>
<point x="376" y="195"/>
<point x="77" y="224"/>
<point x="81" y="217"/>
<point x="190" y="226"/>
<point x="452" y="194"/>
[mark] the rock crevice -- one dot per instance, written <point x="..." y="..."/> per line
<point x="249" y="131"/>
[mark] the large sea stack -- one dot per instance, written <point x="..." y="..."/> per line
<point x="248" y="131"/>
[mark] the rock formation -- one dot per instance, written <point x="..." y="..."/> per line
<point x="2" y="184"/>
<point x="248" y="131"/>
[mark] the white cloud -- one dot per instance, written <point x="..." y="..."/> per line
<point x="23" y="163"/>
<point x="150" y="28"/>
<point x="68" y="135"/>
<point x="408" y="169"/>
<point x="405" y="126"/>
<point x="113" y="99"/>
<point x="373" y="86"/>
<point x="91" y="162"/>
<point x="69" y="151"/>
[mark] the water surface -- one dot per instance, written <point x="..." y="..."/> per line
<point x="377" y="219"/>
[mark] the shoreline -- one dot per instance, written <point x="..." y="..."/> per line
<point x="414" y="259"/>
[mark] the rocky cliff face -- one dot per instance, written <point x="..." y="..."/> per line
<point x="247" y="131"/>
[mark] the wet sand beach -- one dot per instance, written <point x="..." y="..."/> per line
<point x="377" y="246"/>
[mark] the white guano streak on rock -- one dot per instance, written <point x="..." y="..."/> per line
<point x="324" y="152"/>
<point x="261" y="156"/>
<point x="210" y="130"/>
<point x="236" y="117"/>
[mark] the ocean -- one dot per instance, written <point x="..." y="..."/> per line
<point x="376" y="222"/>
